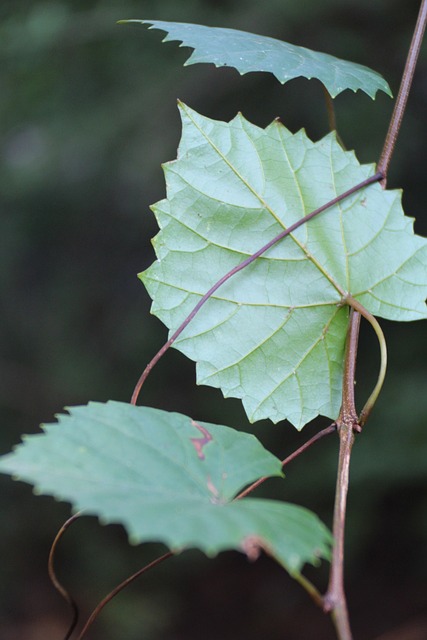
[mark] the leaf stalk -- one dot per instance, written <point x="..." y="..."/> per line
<point x="369" y="405"/>
<point x="332" y="118"/>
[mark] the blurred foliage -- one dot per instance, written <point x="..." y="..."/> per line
<point x="88" y="113"/>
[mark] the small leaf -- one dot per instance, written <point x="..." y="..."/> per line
<point x="169" y="479"/>
<point x="249" y="52"/>
<point x="274" y="334"/>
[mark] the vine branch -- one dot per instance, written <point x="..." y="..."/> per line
<point x="334" y="600"/>
<point x="348" y="422"/>
<point x="321" y="434"/>
<point x="402" y="96"/>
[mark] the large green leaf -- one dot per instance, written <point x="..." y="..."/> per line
<point x="274" y="334"/>
<point x="167" y="478"/>
<point x="249" y="52"/>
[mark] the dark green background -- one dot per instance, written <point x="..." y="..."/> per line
<point x="87" y="114"/>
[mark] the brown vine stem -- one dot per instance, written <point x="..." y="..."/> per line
<point x="334" y="600"/>
<point x="402" y="96"/>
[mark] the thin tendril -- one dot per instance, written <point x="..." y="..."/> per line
<point x="95" y="613"/>
<point x="68" y="598"/>
<point x="375" y="178"/>
<point x="53" y="578"/>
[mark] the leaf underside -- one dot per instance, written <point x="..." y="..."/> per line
<point x="248" y="52"/>
<point x="167" y="478"/>
<point x="274" y="334"/>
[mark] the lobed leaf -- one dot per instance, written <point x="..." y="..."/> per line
<point x="249" y="52"/>
<point x="274" y="334"/>
<point x="167" y="478"/>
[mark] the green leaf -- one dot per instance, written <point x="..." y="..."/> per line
<point x="249" y="52"/>
<point x="167" y="478"/>
<point x="273" y="335"/>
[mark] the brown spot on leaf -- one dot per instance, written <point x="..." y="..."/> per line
<point x="199" y="443"/>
